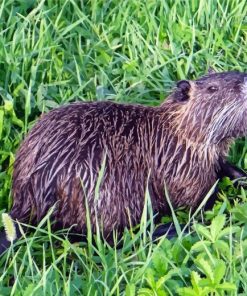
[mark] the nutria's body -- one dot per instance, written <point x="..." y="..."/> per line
<point x="181" y="144"/>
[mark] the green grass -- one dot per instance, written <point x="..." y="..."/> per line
<point x="55" y="52"/>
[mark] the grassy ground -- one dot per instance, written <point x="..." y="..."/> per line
<point x="55" y="52"/>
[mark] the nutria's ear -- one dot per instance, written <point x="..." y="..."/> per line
<point x="182" y="91"/>
<point x="184" y="85"/>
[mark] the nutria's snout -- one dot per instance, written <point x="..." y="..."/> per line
<point x="181" y="144"/>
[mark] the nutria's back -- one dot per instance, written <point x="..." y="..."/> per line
<point x="105" y="155"/>
<point x="65" y="152"/>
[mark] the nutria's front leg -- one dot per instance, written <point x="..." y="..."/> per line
<point x="226" y="170"/>
<point x="231" y="171"/>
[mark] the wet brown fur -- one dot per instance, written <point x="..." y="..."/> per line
<point x="178" y="144"/>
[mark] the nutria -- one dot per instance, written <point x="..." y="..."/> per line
<point x="104" y="155"/>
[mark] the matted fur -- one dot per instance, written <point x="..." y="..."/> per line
<point x="178" y="144"/>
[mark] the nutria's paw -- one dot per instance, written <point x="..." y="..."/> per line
<point x="169" y="230"/>
<point x="231" y="171"/>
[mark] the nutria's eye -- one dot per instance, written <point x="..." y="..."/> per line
<point x="212" y="88"/>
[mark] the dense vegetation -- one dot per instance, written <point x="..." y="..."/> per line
<point x="55" y="52"/>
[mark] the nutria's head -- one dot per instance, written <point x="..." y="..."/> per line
<point x="211" y="109"/>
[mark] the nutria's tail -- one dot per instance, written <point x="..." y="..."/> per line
<point x="4" y="242"/>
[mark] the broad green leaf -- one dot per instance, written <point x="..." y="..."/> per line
<point x="223" y="248"/>
<point x="217" y="225"/>
<point x="195" y="279"/>
<point x="202" y="230"/>
<point x="187" y="292"/>
<point x="201" y="245"/>
<point x="227" y="287"/>
<point x="227" y="230"/>
<point x="159" y="262"/>
<point x="219" y="271"/>
<point x="206" y="268"/>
